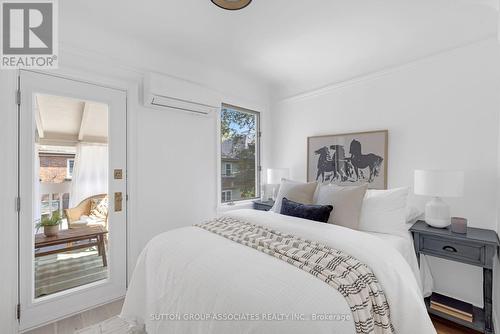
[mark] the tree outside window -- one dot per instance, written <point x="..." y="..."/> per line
<point x="239" y="153"/>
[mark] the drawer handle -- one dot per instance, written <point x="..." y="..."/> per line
<point x="450" y="249"/>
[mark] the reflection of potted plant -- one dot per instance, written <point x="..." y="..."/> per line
<point x="50" y="224"/>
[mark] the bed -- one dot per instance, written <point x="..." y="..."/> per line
<point x="190" y="280"/>
<point x="404" y="245"/>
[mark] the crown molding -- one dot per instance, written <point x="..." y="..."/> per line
<point x="378" y="73"/>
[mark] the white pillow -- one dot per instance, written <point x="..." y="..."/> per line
<point x="347" y="203"/>
<point x="295" y="191"/>
<point x="413" y="214"/>
<point x="87" y="219"/>
<point x="384" y="211"/>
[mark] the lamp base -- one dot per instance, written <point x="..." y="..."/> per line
<point x="437" y="213"/>
<point x="275" y="193"/>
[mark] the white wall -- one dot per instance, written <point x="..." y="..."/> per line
<point x="441" y="112"/>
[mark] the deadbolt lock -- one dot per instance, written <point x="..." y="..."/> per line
<point x="118" y="174"/>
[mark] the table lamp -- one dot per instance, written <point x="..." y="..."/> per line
<point x="274" y="177"/>
<point x="438" y="183"/>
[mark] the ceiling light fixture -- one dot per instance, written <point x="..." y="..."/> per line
<point x="231" y="4"/>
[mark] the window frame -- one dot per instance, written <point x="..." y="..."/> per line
<point x="258" y="166"/>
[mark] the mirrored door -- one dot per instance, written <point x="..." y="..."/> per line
<point x="72" y="187"/>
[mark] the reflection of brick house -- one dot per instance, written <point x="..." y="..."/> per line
<point x="56" y="168"/>
<point x="56" y="171"/>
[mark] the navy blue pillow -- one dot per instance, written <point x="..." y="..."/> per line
<point x="319" y="213"/>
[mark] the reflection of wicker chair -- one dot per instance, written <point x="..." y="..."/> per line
<point x="73" y="214"/>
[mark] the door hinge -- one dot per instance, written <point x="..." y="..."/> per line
<point x="18" y="311"/>
<point x="18" y="97"/>
<point x="260" y="134"/>
<point x="259" y="168"/>
<point x="18" y="204"/>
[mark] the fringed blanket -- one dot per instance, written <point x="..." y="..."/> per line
<point x="353" y="279"/>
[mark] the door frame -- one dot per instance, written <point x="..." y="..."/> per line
<point x="8" y="238"/>
<point x="83" y="78"/>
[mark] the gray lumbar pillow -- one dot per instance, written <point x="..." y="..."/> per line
<point x="295" y="191"/>
<point x="347" y="203"/>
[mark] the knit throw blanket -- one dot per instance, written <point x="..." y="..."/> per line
<point x="353" y="279"/>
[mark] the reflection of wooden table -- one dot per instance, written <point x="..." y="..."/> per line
<point x="71" y="239"/>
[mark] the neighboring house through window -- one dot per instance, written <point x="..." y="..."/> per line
<point x="228" y="169"/>
<point x="227" y="195"/>
<point x="240" y="149"/>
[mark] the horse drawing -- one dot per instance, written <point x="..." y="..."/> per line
<point x="343" y="166"/>
<point x="325" y="164"/>
<point x="361" y="161"/>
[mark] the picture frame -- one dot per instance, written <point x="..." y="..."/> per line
<point x="349" y="158"/>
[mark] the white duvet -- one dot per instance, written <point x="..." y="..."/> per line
<point x="404" y="245"/>
<point x="186" y="277"/>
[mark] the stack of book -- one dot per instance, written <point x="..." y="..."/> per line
<point x="452" y="307"/>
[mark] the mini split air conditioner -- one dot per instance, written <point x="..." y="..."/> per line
<point x="167" y="93"/>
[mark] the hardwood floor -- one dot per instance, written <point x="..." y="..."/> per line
<point x="446" y="327"/>
<point x="82" y="320"/>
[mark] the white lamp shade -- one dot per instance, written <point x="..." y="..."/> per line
<point x="274" y="175"/>
<point x="439" y="183"/>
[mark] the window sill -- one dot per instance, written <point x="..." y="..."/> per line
<point x="245" y="204"/>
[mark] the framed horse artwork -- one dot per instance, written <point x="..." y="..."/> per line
<point x="349" y="159"/>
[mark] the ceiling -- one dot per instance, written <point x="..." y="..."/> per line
<point x="62" y="120"/>
<point x="294" y="46"/>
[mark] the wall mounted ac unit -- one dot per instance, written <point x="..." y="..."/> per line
<point x="163" y="92"/>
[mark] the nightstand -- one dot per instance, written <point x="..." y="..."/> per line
<point x="263" y="205"/>
<point x="478" y="248"/>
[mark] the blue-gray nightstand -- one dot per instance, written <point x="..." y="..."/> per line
<point x="478" y="247"/>
<point x="263" y="205"/>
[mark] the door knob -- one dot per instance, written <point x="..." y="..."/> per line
<point x="118" y="201"/>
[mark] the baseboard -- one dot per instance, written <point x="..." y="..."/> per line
<point x="69" y="315"/>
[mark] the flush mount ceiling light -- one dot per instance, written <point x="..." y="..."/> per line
<point x="232" y="4"/>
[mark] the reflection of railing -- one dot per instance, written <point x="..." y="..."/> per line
<point x="54" y="196"/>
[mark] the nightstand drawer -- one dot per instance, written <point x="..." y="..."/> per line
<point x="263" y="205"/>
<point x="452" y="249"/>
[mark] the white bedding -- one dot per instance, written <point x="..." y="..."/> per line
<point x="192" y="272"/>
<point x="404" y="244"/>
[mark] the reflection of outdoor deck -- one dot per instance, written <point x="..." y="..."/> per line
<point x="58" y="266"/>
<point x="59" y="272"/>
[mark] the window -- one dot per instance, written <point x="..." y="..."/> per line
<point x="228" y="170"/>
<point x="240" y="147"/>
<point x="70" y="164"/>
<point x="227" y="196"/>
